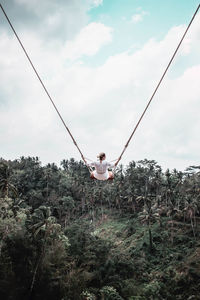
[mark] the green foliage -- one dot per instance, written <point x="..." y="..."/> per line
<point x="109" y="293"/>
<point x="63" y="236"/>
<point x="88" y="296"/>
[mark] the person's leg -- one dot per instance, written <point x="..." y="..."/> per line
<point x="92" y="175"/>
<point x="111" y="176"/>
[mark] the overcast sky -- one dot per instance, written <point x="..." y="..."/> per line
<point x="100" y="61"/>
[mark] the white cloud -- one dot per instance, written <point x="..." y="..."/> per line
<point x="52" y="20"/>
<point x="101" y="105"/>
<point x="96" y="3"/>
<point x="138" y="17"/>
<point x="88" y="42"/>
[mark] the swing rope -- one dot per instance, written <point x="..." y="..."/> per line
<point x="140" y="119"/>
<point x="44" y="87"/>
<point x="50" y="98"/>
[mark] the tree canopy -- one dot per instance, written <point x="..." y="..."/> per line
<point x="64" y="236"/>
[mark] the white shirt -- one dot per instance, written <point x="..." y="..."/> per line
<point x="101" y="167"/>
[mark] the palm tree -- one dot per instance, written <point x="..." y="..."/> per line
<point x="5" y="180"/>
<point x="190" y="212"/>
<point x="148" y="216"/>
<point x="40" y="223"/>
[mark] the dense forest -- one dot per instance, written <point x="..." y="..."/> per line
<point x="64" y="236"/>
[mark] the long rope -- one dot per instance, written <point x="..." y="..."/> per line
<point x="140" y="119"/>
<point x="44" y="87"/>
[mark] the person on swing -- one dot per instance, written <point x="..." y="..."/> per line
<point x="101" y="168"/>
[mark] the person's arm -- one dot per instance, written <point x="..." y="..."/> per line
<point x="89" y="164"/>
<point x="92" y="164"/>
<point x="110" y="165"/>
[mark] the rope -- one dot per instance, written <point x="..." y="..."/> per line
<point x="44" y="87"/>
<point x="140" y="119"/>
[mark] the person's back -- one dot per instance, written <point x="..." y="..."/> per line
<point x="101" y="168"/>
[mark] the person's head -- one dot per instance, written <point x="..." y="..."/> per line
<point x="101" y="156"/>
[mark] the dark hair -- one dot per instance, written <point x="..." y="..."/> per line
<point x="101" y="155"/>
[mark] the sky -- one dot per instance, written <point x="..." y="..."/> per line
<point x="100" y="61"/>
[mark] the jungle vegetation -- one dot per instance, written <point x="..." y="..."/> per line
<point x="66" y="237"/>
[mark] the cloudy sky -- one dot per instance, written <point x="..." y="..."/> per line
<point x="100" y="61"/>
